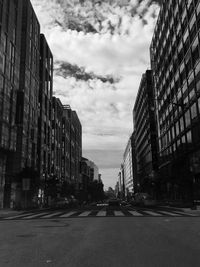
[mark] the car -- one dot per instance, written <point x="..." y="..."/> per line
<point x="102" y="204"/>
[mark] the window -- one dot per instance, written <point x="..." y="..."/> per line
<point x="193" y="111"/>
<point x="177" y="128"/>
<point x="187" y="118"/>
<point x="189" y="137"/>
<point x="181" y="124"/>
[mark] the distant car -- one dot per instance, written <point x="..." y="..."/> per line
<point x="102" y="204"/>
<point x="114" y="202"/>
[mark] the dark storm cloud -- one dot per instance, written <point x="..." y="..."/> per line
<point x="66" y="70"/>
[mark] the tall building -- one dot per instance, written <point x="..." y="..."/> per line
<point x="121" y="182"/>
<point x="45" y="113"/>
<point x="175" y="60"/>
<point x="75" y="145"/>
<point x="56" y="157"/>
<point x="128" y="170"/>
<point x="27" y="108"/>
<point x="66" y="145"/>
<point x="10" y="52"/>
<point x="145" y="134"/>
<point x="20" y="82"/>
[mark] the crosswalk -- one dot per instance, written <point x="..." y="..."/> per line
<point x="98" y="213"/>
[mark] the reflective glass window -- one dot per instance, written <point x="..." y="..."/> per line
<point x="183" y="139"/>
<point x="181" y="124"/>
<point x="187" y="118"/>
<point x="177" y="128"/>
<point x="197" y="69"/>
<point x="189" y="137"/>
<point x="193" y="111"/>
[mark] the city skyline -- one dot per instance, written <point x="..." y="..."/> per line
<point x="100" y="52"/>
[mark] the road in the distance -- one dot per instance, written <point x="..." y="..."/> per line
<point x="101" y="242"/>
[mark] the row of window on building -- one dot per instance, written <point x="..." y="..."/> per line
<point x="40" y="138"/>
<point x="166" y="139"/>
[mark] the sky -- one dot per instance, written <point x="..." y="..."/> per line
<point x="100" y="50"/>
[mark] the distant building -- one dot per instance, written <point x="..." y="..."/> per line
<point x="121" y="182"/>
<point x="128" y="169"/>
<point x="89" y="175"/>
<point x="75" y="145"/>
<point x="145" y="134"/>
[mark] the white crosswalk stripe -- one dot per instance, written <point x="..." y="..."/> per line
<point x="169" y="213"/>
<point x="51" y="215"/>
<point x="135" y="213"/>
<point x="118" y="213"/>
<point x="68" y="214"/>
<point x="18" y="216"/>
<point x="149" y="212"/>
<point x="101" y="213"/>
<point x="85" y="213"/>
<point x="36" y="215"/>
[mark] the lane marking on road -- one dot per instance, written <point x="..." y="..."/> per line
<point x="118" y="213"/>
<point x="35" y="215"/>
<point x="135" y="213"/>
<point x="68" y="214"/>
<point x="17" y="216"/>
<point x="84" y="214"/>
<point x="51" y="215"/>
<point x="101" y="213"/>
<point x="169" y="213"/>
<point x="149" y="212"/>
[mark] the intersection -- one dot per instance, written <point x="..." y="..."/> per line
<point x="100" y="212"/>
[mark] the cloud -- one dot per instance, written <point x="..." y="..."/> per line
<point x="94" y="43"/>
<point x="67" y="70"/>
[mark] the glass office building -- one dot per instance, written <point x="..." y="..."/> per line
<point x="145" y="134"/>
<point x="175" y="62"/>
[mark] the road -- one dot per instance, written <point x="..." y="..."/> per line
<point x="103" y="237"/>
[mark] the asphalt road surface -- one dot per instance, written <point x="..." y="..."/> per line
<point x="103" y="237"/>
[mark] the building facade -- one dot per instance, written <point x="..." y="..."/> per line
<point x="175" y="61"/>
<point x="56" y="157"/>
<point x="145" y="134"/>
<point x="45" y="115"/>
<point x="10" y="52"/>
<point x="20" y="54"/>
<point x="75" y="146"/>
<point x="120" y="181"/>
<point x="128" y="170"/>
